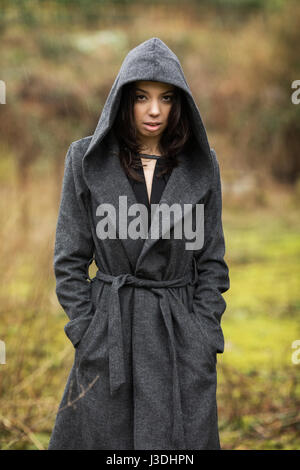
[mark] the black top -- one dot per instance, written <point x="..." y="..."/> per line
<point x="158" y="185"/>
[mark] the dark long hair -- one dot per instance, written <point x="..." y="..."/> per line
<point x="173" y="140"/>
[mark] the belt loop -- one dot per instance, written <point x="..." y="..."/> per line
<point x="195" y="277"/>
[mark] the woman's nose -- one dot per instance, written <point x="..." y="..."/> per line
<point x="154" y="107"/>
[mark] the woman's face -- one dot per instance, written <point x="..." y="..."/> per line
<point x="153" y="102"/>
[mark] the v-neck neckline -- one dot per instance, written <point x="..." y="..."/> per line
<point x="142" y="188"/>
<point x="145" y="190"/>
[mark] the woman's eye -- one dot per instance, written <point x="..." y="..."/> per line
<point x="168" y="98"/>
<point x="140" y="96"/>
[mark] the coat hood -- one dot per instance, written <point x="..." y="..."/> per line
<point x="151" y="60"/>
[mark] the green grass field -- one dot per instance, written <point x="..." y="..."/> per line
<point x="259" y="386"/>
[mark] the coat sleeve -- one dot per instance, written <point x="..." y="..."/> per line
<point x="73" y="250"/>
<point x="213" y="275"/>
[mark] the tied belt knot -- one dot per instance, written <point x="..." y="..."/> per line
<point x="115" y="336"/>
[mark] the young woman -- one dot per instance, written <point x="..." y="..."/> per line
<point x="146" y="329"/>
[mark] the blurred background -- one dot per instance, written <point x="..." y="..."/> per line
<point x="58" y="60"/>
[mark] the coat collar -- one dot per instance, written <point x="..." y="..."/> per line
<point x="106" y="180"/>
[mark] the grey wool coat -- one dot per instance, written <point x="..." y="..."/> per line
<point x="146" y="329"/>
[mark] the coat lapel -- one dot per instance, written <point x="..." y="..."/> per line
<point x="107" y="181"/>
<point x="188" y="184"/>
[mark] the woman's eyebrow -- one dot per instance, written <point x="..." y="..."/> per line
<point x="144" y="91"/>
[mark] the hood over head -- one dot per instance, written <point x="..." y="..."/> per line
<point x="151" y="60"/>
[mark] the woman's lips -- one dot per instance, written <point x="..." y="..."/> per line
<point x="151" y="128"/>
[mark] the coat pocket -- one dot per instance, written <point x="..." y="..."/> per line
<point x="211" y="331"/>
<point x="78" y="328"/>
<point x="94" y="338"/>
<point x="195" y="331"/>
<point x="75" y="329"/>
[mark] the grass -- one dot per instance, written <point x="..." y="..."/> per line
<point x="259" y="387"/>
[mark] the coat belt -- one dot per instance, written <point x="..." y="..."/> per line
<point x="115" y="337"/>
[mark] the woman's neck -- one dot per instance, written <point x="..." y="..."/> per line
<point x="148" y="151"/>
